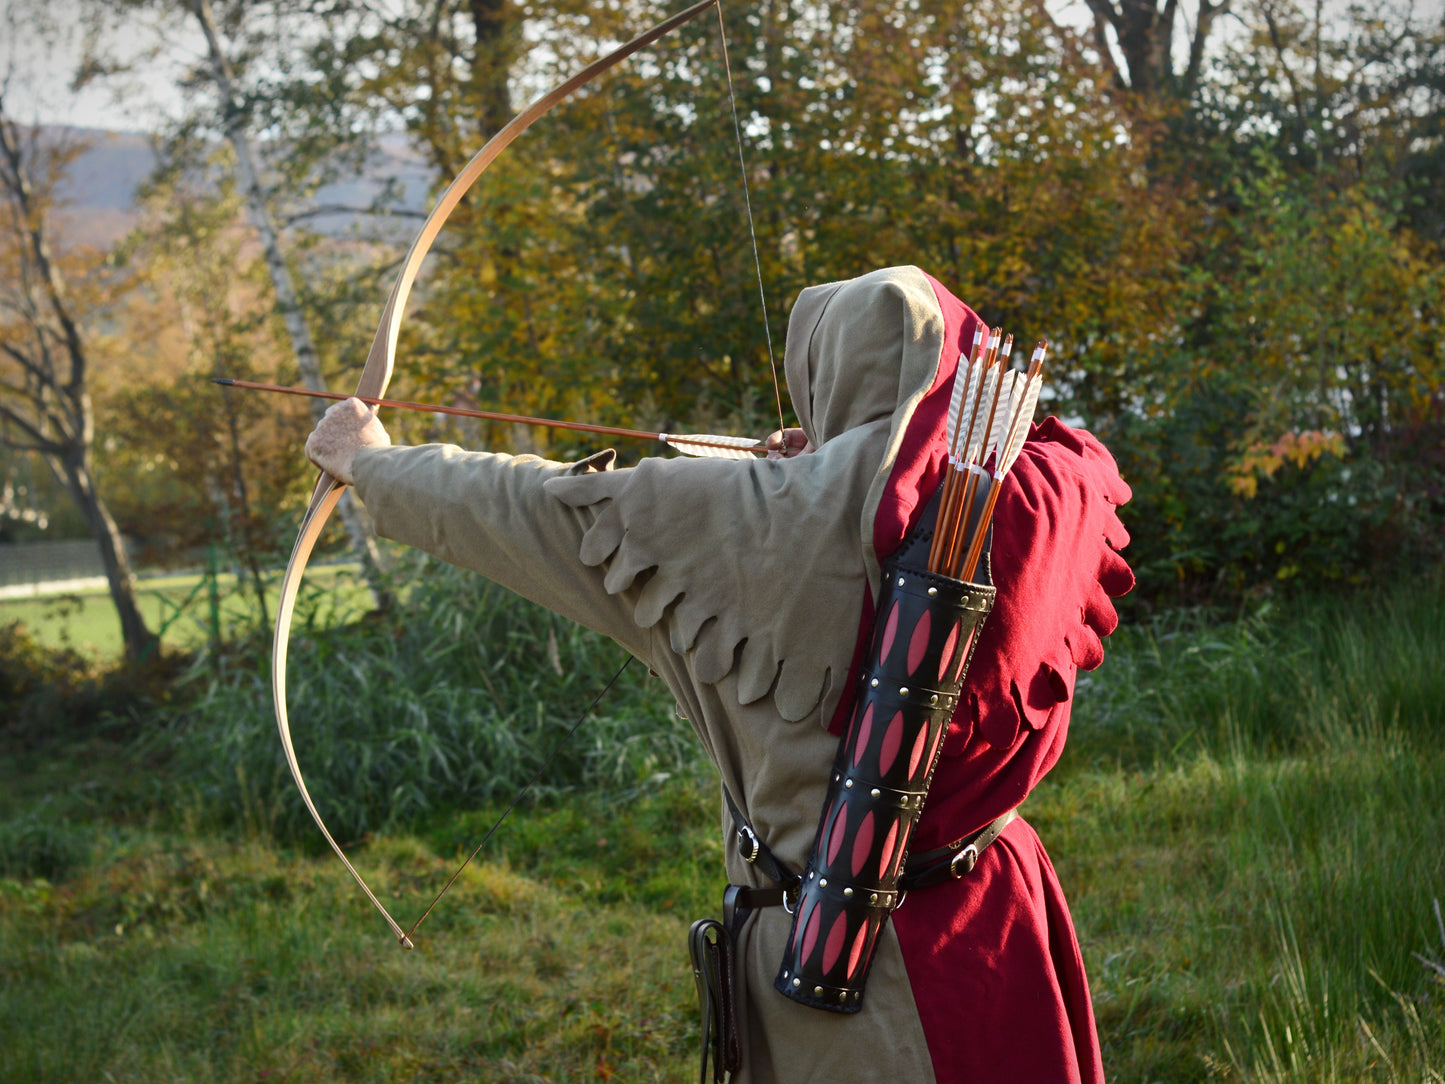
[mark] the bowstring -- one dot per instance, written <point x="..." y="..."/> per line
<point x="748" y="205"/>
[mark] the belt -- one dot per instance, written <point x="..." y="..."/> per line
<point x="948" y="862"/>
<point x="954" y="860"/>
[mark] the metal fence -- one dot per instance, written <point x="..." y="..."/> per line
<point x="23" y="563"/>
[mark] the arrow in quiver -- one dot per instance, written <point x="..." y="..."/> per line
<point x="922" y="640"/>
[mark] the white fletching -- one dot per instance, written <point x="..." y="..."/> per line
<point x="961" y="406"/>
<point x="961" y="379"/>
<point x="713" y="446"/>
<point x="1025" y="415"/>
<point x="965" y="394"/>
<point x="985" y="398"/>
<point x="1007" y="400"/>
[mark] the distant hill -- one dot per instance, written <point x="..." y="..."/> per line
<point x="109" y="170"/>
<point x="97" y="197"/>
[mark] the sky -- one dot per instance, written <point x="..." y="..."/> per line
<point x="41" y="45"/>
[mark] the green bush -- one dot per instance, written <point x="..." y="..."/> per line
<point x="1288" y="437"/>
<point x="33" y="847"/>
<point x="49" y="694"/>
<point x="39" y="686"/>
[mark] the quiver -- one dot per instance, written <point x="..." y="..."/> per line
<point x="909" y="686"/>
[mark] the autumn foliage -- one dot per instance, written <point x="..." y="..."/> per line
<point x="1235" y="251"/>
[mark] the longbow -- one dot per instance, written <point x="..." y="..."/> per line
<point x="375" y="376"/>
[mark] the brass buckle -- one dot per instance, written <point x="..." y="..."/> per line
<point x="749" y="846"/>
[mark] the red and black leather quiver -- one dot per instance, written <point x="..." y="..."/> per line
<point x="910" y="682"/>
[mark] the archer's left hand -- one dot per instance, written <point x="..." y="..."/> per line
<point x="347" y="428"/>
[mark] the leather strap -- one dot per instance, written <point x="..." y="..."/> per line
<point x="755" y="852"/>
<point x="949" y="862"/>
<point x="712" y="945"/>
<point x="955" y="860"/>
<point x="713" y="949"/>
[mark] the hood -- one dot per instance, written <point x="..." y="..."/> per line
<point x="759" y="570"/>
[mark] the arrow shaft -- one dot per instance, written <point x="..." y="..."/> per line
<point x="467" y="412"/>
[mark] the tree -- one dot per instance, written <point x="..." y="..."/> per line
<point x="206" y="469"/>
<point x="1286" y="425"/>
<point x="45" y="363"/>
<point x="1144" y="35"/>
<point x="232" y="117"/>
<point x="1351" y="96"/>
<point x="1166" y="221"/>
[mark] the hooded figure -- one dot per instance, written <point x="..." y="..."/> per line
<point x="748" y="587"/>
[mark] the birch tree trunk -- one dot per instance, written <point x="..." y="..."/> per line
<point x="288" y="302"/>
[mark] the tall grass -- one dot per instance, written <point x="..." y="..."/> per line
<point x="452" y="702"/>
<point x="1289" y="676"/>
<point x="1251" y="832"/>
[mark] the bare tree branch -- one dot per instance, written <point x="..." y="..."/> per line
<point x="1208" y="13"/>
<point x="1276" y="40"/>
<point x="321" y="210"/>
<point x="40" y="444"/>
<point x="1104" y="11"/>
<point x="18" y="182"/>
<point x="23" y="360"/>
<point x="50" y="404"/>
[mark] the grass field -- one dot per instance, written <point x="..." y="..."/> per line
<point x="1247" y="823"/>
<point x="187" y="610"/>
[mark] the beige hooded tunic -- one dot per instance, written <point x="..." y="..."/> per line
<point x="741" y="585"/>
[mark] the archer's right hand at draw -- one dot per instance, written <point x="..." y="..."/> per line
<point x="786" y="443"/>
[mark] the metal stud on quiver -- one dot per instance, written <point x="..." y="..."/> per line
<point x="922" y="640"/>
